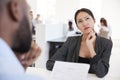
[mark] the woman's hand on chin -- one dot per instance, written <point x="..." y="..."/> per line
<point x="90" y="42"/>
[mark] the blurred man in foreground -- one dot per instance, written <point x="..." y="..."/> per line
<point x="16" y="50"/>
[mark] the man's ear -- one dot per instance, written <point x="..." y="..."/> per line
<point x="14" y="10"/>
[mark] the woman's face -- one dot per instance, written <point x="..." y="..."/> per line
<point x="85" y="22"/>
<point x="102" y="24"/>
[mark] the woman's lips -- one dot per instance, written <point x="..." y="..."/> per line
<point x="86" y="28"/>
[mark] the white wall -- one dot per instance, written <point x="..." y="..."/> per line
<point x="40" y="39"/>
<point x="53" y="31"/>
<point x="32" y="4"/>
<point x="65" y="9"/>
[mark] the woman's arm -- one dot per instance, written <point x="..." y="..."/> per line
<point x="100" y="63"/>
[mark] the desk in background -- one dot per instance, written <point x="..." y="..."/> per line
<point x="55" y="44"/>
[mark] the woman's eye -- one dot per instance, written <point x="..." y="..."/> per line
<point x="79" y="21"/>
<point x="87" y="18"/>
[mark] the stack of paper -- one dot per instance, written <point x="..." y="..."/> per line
<point x="69" y="71"/>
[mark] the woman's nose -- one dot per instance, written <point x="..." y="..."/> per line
<point x="84" y="23"/>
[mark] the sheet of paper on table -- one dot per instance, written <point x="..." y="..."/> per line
<point x="69" y="71"/>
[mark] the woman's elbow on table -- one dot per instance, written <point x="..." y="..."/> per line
<point x="101" y="74"/>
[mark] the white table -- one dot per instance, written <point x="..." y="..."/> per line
<point x="46" y="74"/>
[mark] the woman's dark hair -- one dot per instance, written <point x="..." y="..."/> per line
<point x="83" y="10"/>
<point x="103" y="20"/>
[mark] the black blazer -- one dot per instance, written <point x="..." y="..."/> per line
<point x="69" y="52"/>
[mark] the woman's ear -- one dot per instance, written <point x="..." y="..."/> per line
<point x="14" y="10"/>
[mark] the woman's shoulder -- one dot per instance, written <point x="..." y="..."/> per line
<point x="74" y="37"/>
<point x="104" y="41"/>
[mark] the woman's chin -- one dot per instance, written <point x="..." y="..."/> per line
<point x="87" y="32"/>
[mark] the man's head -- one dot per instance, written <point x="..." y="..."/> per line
<point x="14" y="24"/>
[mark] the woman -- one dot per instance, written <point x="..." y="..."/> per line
<point x="88" y="48"/>
<point x="104" y="29"/>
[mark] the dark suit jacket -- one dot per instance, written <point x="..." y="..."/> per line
<point x="69" y="52"/>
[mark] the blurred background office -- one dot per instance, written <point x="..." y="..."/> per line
<point x="55" y="15"/>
